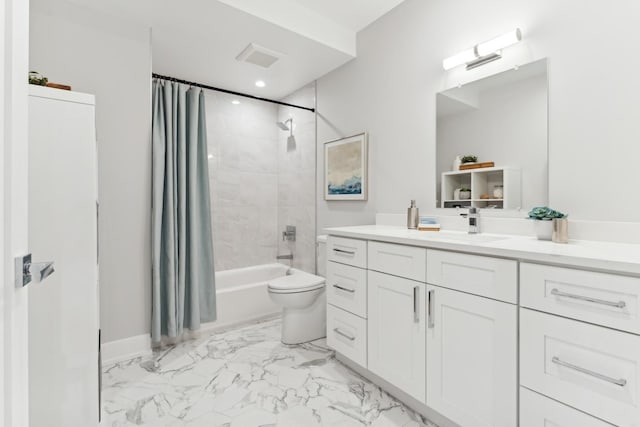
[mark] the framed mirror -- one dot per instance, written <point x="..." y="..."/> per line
<point x="492" y="141"/>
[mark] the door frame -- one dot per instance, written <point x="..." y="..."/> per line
<point x="14" y="351"/>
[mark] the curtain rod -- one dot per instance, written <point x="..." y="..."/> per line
<point x="231" y="92"/>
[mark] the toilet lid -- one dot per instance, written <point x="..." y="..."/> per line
<point x="297" y="282"/>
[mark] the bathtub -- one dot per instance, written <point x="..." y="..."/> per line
<point x="242" y="294"/>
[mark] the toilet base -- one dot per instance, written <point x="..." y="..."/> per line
<point x="301" y="325"/>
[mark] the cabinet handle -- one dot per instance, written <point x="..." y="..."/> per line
<point x="416" y="307"/>
<point x="344" y="289"/>
<point x="342" y="251"/>
<point x="620" y="382"/>
<point x="344" y="334"/>
<point x="431" y="296"/>
<point x="617" y="304"/>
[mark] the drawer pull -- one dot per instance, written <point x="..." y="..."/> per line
<point x="342" y="251"/>
<point x="618" y="304"/>
<point x="344" y="289"/>
<point x="416" y="308"/>
<point x="431" y="295"/>
<point x="620" y="382"/>
<point x="344" y="334"/>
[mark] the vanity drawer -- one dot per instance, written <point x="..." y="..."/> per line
<point x="347" y="251"/>
<point x="399" y="260"/>
<point x="485" y="276"/>
<point x="603" y="299"/>
<point x="588" y="367"/>
<point x="537" y="410"/>
<point x="347" y="334"/>
<point x="347" y="288"/>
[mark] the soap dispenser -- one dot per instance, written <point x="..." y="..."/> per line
<point x="413" y="216"/>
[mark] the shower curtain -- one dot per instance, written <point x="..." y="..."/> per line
<point x="183" y="280"/>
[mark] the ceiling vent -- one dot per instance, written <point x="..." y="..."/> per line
<point x="259" y="55"/>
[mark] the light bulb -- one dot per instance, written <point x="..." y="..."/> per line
<point x="459" y="59"/>
<point x="500" y="42"/>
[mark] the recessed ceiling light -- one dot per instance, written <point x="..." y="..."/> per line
<point x="210" y="156"/>
<point x="260" y="83"/>
<point x="235" y="102"/>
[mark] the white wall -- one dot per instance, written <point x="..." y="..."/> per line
<point x="111" y="58"/>
<point x="509" y="127"/>
<point x="389" y="91"/>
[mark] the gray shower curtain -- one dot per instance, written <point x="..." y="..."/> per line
<point x="183" y="280"/>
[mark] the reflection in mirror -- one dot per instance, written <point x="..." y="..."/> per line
<point x="501" y="120"/>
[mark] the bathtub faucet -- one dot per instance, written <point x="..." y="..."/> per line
<point x="290" y="256"/>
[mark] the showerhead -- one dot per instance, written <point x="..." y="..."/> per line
<point x="283" y="125"/>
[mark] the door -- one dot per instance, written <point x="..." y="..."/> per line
<point x="472" y="358"/>
<point x="63" y="308"/>
<point x="14" y="51"/>
<point x="396" y="335"/>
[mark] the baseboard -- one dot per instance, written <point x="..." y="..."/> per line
<point x="126" y="349"/>
<point x="140" y="345"/>
<point x="398" y="394"/>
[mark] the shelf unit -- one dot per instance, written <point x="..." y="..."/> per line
<point x="481" y="181"/>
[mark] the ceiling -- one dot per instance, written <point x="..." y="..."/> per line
<point x="352" y="14"/>
<point x="198" y="40"/>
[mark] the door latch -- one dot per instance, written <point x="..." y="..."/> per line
<point x="25" y="268"/>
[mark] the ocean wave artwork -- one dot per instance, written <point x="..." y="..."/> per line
<point x="344" y="172"/>
<point x="351" y="186"/>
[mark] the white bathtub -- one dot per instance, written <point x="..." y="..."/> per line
<point x="242" y="294"/>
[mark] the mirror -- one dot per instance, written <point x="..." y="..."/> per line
<point x="501" y="120"/>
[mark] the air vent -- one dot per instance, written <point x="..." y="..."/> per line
<point x="259" y="55"/>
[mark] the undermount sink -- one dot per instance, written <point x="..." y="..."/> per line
<point x="464" y="237"/>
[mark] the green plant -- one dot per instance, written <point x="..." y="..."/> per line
<point x="544" y="213"/>
<point x="36" y="78"/>
<point x="469" y="159"/>
<point x="465" y="189"/>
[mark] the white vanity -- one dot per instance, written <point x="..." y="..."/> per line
<point x="491" y="330"/>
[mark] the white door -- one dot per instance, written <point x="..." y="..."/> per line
<point x="396" y="335"/>
<point x="14" y="51"/>
<point x="472" y="358"/>
<point x="63" y="308"/>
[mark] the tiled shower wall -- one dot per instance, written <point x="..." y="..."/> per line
<point x="297" y="179"/>
<point x="256" y="185"/>
<point x="243" y="174"/>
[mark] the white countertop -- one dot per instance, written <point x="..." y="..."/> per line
<point x="606" y="256"/>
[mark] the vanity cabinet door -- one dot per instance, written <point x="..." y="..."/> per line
<point x="471" y="358"/>
<point x="396" y="332"/>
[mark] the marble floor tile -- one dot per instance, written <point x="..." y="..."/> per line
<point x="246" y="377"/>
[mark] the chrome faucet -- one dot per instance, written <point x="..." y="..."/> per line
<point x="474" y="220"/>
<point x="289" y="233"/>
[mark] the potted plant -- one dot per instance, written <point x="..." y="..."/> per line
<point x="469" y="159"/>
<point x="36" y="79"/>
<point x="465" y="193"/>
<point x="543" y="217"/>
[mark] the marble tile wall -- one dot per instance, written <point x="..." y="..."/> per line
<point x="243" y="174"/>
<point x="259" y="183"/>
<point x="297" y="180"/>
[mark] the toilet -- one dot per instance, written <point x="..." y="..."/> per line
<point x="303" y="300"/>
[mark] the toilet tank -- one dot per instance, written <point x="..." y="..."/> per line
<point x="321" y="256"/>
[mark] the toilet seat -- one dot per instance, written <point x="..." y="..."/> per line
<point x="297" y="282"/>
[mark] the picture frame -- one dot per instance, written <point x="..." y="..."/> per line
<point x="346" y="168"/>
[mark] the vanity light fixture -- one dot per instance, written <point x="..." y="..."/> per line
<point x="483" y="53"/>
